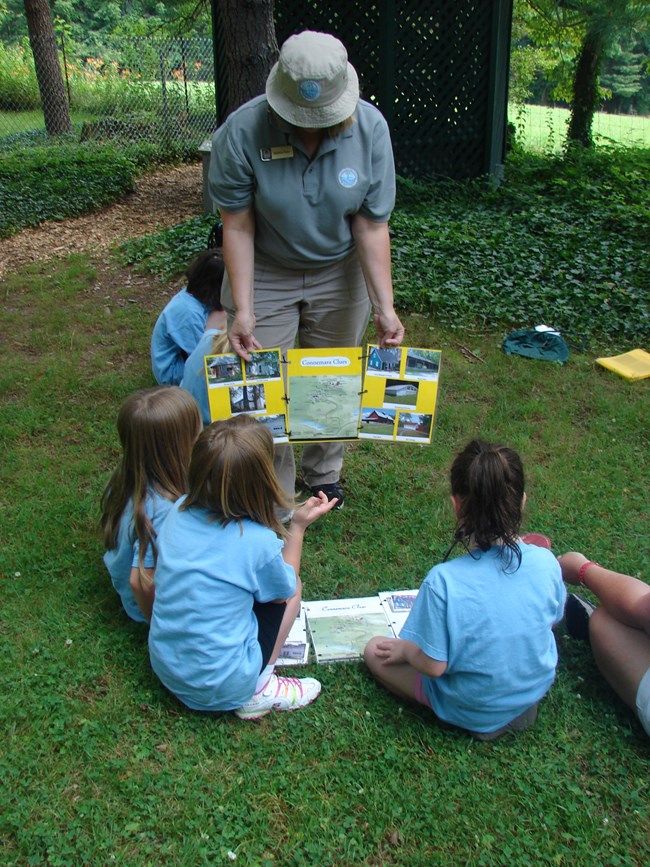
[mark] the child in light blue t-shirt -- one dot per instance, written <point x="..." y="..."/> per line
<point x="213" y="342"/>
<point x="157" y="429"/>
<point x="478" y="646"/>
<point x="181" y="324"/>
<point x="227" y="585"/>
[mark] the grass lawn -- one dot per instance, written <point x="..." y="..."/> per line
<point x="543" y="128"/>
<point x="24" y="121"/>
<point x="100" y="765"/>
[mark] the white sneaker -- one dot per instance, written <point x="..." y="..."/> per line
<point x="280" y="693"/>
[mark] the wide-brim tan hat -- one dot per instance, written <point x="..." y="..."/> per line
<point x="313" y="85"/>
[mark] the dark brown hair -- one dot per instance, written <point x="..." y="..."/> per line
<point x="204" y="278"/>
<point x="231" y="473"/>
<point x="157" y="428"/>
<point x="488" y="481"/>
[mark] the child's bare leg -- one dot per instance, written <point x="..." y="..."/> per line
<point x="622" y="653"/>
<point x="626" y="598"/>
<point x="399" y="679"/>
<point x="290" y="614"/>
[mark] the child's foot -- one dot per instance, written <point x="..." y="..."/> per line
<point x="577" y="612"/>
<point x="536" y="539"/>
<point x="280" y="693"/>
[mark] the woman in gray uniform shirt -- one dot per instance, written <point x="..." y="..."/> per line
<point x="305" y="183"/>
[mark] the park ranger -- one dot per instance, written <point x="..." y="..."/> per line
<point x="305" y="182"/>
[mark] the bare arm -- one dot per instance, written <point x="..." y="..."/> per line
<point x="309" y="512"/>
<point x="626" y="598"/>
<point x="395" y="651"/>
<point x="373" y="247"/>
<point x="239" y="259"/>
<point x="143" y="590"/>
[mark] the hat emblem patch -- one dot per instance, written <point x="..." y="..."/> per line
<point x="309" y="89"/>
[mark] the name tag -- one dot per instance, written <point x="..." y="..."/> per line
<point x="280" y="153"/>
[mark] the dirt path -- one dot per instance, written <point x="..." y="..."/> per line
<point x="160" y="200"/>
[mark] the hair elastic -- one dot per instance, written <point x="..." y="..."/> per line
<point x="583" y="569"/>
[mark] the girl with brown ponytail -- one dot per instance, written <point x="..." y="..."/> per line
<point x="478" y="646"/>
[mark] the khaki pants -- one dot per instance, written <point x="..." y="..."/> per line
<point x="311" y="309"/>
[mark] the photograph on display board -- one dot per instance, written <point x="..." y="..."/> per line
<point x="400" y="392"/>
<point x="254" y="387"/>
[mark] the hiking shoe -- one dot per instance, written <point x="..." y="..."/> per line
<point x="577" y="612"/>
<point x="280" y="693"/>
<point x="331" y="491"/>
<point x="538" y="539"/>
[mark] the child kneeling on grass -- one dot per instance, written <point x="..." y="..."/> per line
<point x="227" y="586"/>
<point x="213" y="342"/>
<point x="478" y="646"/>
<point x="157" y="429"/>
<point x="181" y="324"/>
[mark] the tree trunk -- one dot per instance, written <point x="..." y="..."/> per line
<point x="585" y="89"/>
<point x="250" y="46"/>
<point x="48" y="69"/>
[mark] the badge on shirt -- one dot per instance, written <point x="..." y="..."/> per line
<point x="279" y="153"/>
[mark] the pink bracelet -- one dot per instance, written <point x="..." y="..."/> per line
<point x="583" y="569"/>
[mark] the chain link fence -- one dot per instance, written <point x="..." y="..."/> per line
<point x="159" y="91"/>
<point x="163" y="91"/>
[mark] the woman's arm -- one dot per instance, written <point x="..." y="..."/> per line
<point x="239" y="259"/>
<point x="143" y="591"/>
<point x="395" y="651"/>
<point x="373" y="247"/>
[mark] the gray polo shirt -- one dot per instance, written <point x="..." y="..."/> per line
<point x="302" y="206"/>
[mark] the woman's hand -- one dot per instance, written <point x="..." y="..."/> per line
<point x="390" y="331"/>
<point x="241" y="335"/>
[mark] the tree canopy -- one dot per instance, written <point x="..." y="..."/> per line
<point x="566" y="44"/>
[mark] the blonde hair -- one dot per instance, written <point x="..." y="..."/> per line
<point x="338" y="128"/>
<point x="157" y="428"/>
<point x="220" y="344"/>
<point x="232" y="476"/>
<point x="330" y="131"/>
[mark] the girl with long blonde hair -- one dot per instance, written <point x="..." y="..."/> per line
<point x="227" y="581"/>
<point x="157" y="428"/>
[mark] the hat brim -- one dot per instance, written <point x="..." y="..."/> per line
<point x="313" y="117"/>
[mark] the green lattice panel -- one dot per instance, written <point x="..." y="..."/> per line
<point x="427" y="65"/>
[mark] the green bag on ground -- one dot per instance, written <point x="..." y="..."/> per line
<point x="543" y="345"/>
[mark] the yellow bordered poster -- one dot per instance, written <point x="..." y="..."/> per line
<point x="254" y="387"/>
<point x="399" y="394"/>
<point x="327" y="395"/>
<point x="324" y="393"/>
